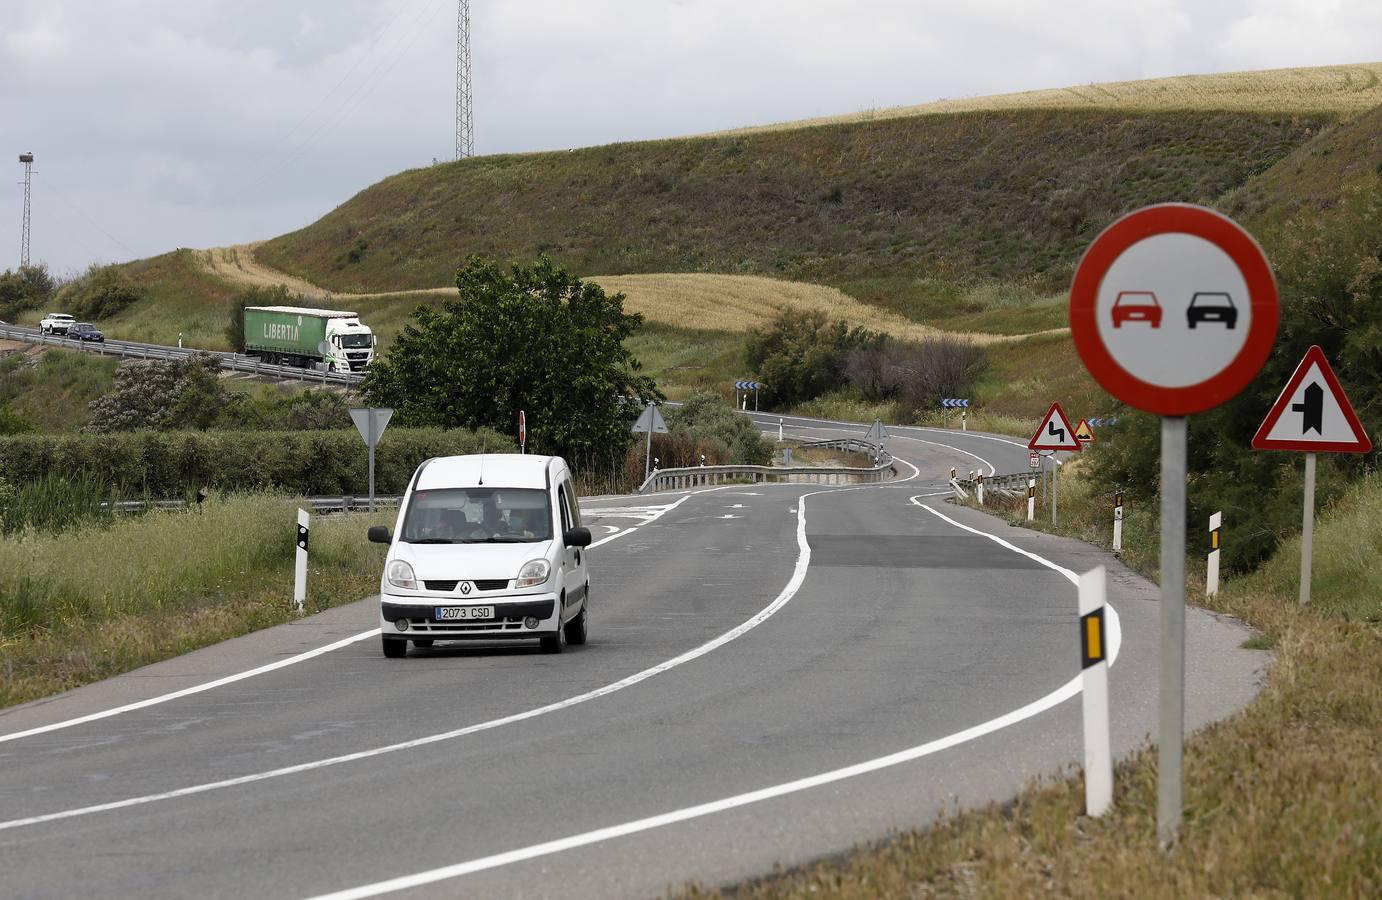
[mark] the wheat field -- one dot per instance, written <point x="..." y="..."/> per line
<point x="1346" y="90"/>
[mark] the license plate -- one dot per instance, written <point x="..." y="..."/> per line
<point x="457" y="613"/>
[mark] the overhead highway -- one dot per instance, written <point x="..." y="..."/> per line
<point x="775" y="673"/>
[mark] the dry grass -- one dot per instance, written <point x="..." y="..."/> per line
<point x="239" y="266"/>
<point x="1280" y="801"/>
<point x="737" y="303"/>
<point x="1346" y="90"/>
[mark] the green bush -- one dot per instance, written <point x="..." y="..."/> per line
<point x="706" y="419"/>
<point x="801" y="354"/>
<point x="167" y="465"/>
<point x="28" y="287"/>
<point x="104" y="291"/>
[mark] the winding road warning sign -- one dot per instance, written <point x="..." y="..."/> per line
<point x="1313" y="413"/>
<point x="1055" y="432"/>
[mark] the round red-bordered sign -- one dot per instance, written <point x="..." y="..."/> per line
<point x="1153" y="324"/>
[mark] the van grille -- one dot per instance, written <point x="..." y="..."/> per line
<point x="482" y="584"/>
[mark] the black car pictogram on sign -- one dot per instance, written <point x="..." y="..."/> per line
<point x="1212" y="306"/>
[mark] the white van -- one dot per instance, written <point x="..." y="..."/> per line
<point x="486" y="548"/>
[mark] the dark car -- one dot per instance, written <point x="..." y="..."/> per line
<point x="85" y="331"/>
<point x="1212" y="306"/>
<point x="1136" y="306"/>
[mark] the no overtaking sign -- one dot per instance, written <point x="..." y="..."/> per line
<point x="1173" y="310"/>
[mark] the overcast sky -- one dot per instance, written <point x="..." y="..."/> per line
<point x="165" y="123"/>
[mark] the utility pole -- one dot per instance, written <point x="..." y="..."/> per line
<point x="28" y="160"/>
<point x="465" y="121"/>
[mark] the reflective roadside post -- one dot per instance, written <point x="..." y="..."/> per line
<point x="1173" y="310"/>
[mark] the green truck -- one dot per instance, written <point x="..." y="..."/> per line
<point x="309" y="338"/>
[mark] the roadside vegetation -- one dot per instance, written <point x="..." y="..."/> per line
<point x="51" y="390"/>
<point x="110" y="596"/>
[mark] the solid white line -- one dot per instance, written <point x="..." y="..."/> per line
<point x="547" y="848"/>
<point x="992" y="469"/>
<point x="282" y="663"/>
<point x="187" y="692"/>
<point x="789" y="591"/>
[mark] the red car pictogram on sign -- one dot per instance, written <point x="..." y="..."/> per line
<point x="1136" y="306"/>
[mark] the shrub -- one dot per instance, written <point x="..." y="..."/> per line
<point x="917" y="374"/>
<point x="801" y="354"/>
<point x="166" y="465"/>
<point x="161" y="394"/>
<point x="104" y="291"/>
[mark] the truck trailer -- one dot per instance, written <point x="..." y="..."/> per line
<point x="309" y="338"/>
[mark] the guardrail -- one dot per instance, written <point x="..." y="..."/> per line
<point x="130" y="349"/>
<point x="347" y="503"/>
<point x="709" y="476"/>
<point x="1003" y="484"/>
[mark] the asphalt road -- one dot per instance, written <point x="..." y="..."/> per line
<point x="775" y="672"/>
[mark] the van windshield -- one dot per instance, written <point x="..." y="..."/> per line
<point x="478" y="516"/>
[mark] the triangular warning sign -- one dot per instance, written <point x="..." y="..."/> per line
<point x="1055" y="432"/>
<point x="1312" y="413"/>
<point x="1083" y="433"/>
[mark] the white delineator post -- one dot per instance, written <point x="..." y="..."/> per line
<point x="1211" y="578"/>
<point x="779" y="431"/>
<point x="980" y="489"/>
<point x="964" y="420"/>
<point x="1031" y="499"/>
<point x="1117" y="523"/>
<point x="1307" y="530"/>
<point x="1098" y="754"/>
<point x="300" y="573"/>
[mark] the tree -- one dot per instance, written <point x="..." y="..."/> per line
<point x="534" y="338"/>
<point x="27" y="287"/>
<point x="161" y="394"/>
<point x="801" y="354"/>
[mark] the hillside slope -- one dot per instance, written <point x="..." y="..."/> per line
<point x="996" y="194"/>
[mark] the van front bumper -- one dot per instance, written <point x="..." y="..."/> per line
<point x="507" y="621"/>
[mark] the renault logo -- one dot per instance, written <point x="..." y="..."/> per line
<point x="465" y="587"/>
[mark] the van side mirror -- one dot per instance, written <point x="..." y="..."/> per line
<point x="379" y="534"/>
<point x="577" y="537"/>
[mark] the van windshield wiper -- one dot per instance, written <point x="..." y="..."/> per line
<point x="430" y="541"/>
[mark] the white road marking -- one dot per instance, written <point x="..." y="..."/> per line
<point x="992" y="470"/>
<point x="260" y="670"/>
<point x="1066" y="691"/>
<point x="187" y="692"/>
<point x="787" y="593"/>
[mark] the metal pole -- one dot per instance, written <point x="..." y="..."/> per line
<point x="1055" y="469"/>
<point x="373" y="439"/>
<point x="648" y="456"/>
<point x="1169" y="789"/>
<point x="1307" y="531"/>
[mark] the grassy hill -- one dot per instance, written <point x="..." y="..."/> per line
<point x="866" y="207"/>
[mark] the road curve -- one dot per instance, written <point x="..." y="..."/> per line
<point x="776" y="672"/>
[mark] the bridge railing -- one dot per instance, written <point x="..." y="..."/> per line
<point x="128" y="349"/>
<point x="1014" y="483"/>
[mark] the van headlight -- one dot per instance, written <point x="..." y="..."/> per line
<point x="533" y="572"/>
<point x="400" y="575"/>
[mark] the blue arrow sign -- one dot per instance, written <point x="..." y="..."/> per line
<point x="954" y="402"/>
<point x="748" y="385"/>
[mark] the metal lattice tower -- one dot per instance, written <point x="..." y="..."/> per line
<point x="28" y="160"/>
<point x="465" y="122"/>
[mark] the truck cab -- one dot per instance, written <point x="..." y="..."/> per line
<point x="350" y="345"/>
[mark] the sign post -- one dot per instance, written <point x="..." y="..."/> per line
<point x="1173" y="310"/>
<point x="1054" y="433"/>
<point x="1312" y="401"/>
<point x="650" y="421"/>
<point x="371" y="424"/>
